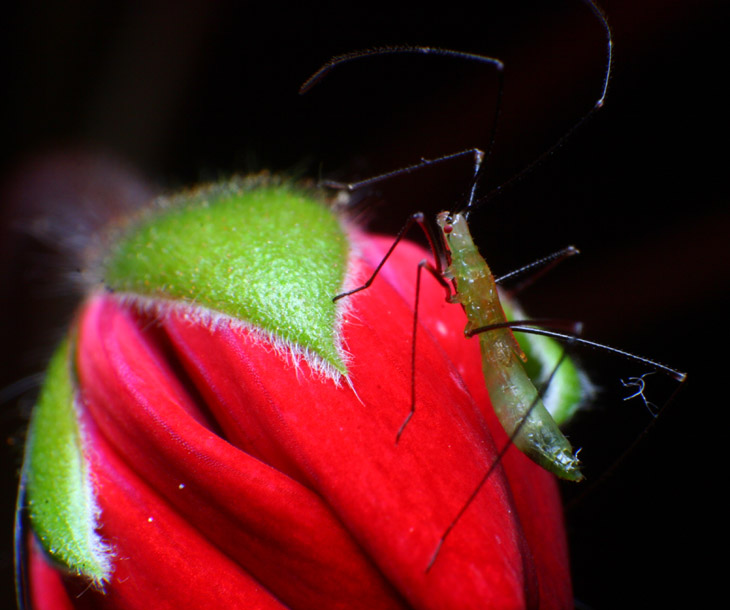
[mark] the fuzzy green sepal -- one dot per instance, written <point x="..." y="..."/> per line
<point x="263" y="253"/>
<point x="60" y="492"/>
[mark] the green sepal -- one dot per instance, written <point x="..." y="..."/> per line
<point x="570" y="388"/>
<point x="60" y="493"/>
<point x="261" y="252"/>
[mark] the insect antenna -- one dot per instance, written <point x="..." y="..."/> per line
<point x="474" y="203"/>
<point x="478" y="154"/>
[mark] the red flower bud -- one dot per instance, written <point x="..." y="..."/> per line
<point x="231" y="473"/>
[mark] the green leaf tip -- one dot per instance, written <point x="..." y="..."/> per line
<point x="60" y="493"/>
<point x="261" y="251"/>
<point x="570" y="389"/>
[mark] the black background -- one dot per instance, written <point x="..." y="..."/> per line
<point x="190" y="91"/>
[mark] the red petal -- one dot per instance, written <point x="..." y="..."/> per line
<point x="266" y="485"/>
<point x="46" y="583"/>
<point x="272" y="527"/>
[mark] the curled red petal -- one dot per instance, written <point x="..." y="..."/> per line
<point x="220" y="467"/>
<point x="275" y="529"/>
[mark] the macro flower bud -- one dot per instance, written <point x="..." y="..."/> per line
<point x="216" y="432"/>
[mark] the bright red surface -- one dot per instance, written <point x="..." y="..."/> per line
<point x="229" y="478"/>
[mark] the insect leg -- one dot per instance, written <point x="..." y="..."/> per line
<point x="598" y="104"/>
<point x="417" y="218"/>
<point x="436" y="273"/>
<point x="678" y="375"/>
<point x="537" y="268"/>
<point x="497" y="461"/>
<point x="350" y="187"/>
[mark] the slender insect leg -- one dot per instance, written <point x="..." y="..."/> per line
<point x="424" y="264"/>
<point x="526" y="326"/>
<point x="598" y="104"/>
<point x="417" y="218"/>
<point x="497" y="461"/>
<point x="435" y="271"/>
<point x="350" y="187"/>
<point x="537" y="269"/>
<point x="674" y="373"/>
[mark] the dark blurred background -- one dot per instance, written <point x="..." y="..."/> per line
<point x="108" y="104"/>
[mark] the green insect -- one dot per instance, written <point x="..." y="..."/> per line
<point x="515" y="399"/>
<point x="517" y="402"/>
